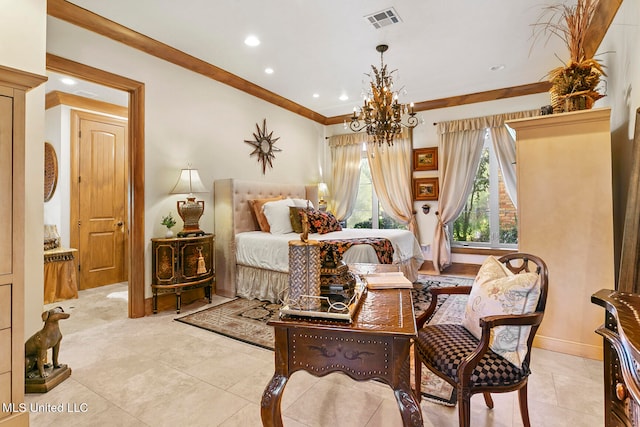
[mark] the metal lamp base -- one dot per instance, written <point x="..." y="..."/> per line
<point x="190" y="212"/>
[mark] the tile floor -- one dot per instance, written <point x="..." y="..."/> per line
<point x="154" y="371"/>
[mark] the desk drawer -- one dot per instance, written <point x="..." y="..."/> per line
<point x="323" y="352"/>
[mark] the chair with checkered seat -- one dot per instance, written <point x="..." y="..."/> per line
<point x="508" y="296"/>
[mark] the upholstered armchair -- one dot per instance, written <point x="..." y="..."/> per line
<point x="508" y="296"/>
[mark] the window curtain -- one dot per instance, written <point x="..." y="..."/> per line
<point x="391" y="175"/>
<point x="460" y="151"/>
<point x="505" y="148"/>
<point x="460" y="143"/>
<point x="346" y="151"/>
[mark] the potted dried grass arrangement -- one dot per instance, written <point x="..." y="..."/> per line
<point x="573" y="84"/>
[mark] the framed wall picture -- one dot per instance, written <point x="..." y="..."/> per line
<point x="425" y="189"/>
<point x="425" y="159"/>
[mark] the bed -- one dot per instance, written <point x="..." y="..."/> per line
<point x="254" y="264"/>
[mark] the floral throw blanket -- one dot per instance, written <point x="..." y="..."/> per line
<point x="336" y="248"/>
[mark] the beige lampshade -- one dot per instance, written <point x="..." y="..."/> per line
<point x="188" y="183"/>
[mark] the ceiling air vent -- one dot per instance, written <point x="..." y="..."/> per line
<point x="384" y="18"/>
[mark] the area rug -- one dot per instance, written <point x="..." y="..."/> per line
<point x="246" y="320"/>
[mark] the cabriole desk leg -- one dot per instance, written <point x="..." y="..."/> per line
<point x="272" y="396"/>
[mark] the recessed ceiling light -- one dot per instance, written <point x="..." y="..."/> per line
<point x="251" y="41"/>
<point x="68" y="81"/>
<point x="268" y="70"/>
<point x="343" y="97"/>
<point x="497" y="67"/>
<point x="316" y="95"/>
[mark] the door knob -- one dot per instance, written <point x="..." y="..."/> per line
<point x="120" y="223"/>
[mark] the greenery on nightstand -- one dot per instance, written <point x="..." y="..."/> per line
<point x="168" y="221"/>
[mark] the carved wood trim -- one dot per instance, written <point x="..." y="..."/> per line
<point x="83" y="18"/>
<point x="55" y="98"/>
<point x="452" y="101"/>
<point x="20" y="79"/>
<point x="602" y="19"/>
<point x="136" y="246"/>
<point x="90" y="21"/>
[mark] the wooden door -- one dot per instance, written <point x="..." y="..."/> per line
<point x="98" y="198"/>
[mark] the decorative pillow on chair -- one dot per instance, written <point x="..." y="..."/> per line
<point x="277" y="214"/>
<point x="322" y="222"/>
<point x="258" y="215"/>
<point x="496" y="290"/>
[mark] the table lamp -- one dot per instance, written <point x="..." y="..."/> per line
<point x="323" y="190"/>
<point x="190" y="210"/>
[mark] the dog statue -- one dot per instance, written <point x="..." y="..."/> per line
<point x="49" y="337"/>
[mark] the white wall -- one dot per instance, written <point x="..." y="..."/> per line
<point x="54" y="209"/>
<point x="191" y="119"/>
<point x="23" y="31"/>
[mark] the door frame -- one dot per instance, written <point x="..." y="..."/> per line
<point x="135" y="154"/>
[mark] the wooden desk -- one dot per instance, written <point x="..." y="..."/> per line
<point x="375" y="346"/>
<point x="621" y="334"/>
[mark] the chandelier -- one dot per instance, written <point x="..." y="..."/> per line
<point x="381" y="113"/>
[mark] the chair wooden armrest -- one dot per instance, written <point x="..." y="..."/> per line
<point x="435" y="292"/>
<point x="486" y="323"/>
<point x="489" y="322"/>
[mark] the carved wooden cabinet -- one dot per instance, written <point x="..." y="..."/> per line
<point x="182" y="263"/>
<point x="621" y="333"/>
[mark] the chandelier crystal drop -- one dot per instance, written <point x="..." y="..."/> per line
<point x="381" y="114"/>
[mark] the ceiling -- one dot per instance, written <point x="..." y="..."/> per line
<point x="440" y="48"/>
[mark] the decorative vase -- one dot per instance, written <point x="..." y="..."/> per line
<point x="304" y="274"/>
<point x="168" y="234"/>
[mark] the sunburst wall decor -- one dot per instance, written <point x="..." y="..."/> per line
<point x="264" y="148"/>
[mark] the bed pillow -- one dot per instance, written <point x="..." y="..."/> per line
<point x="277" y="214"/>
<point x="295" y="218"/>
<point x="258" y="215"/>
<point x="302" y="203"/>
<point x="496" y="290"/>
<point x="322" y="222"/>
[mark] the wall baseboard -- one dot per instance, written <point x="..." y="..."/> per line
<point x="589" y="351"/>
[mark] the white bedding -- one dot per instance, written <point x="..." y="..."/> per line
<point x="271" y="251"/>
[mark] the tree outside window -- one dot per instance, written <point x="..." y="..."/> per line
<point x="489" y="218"/>
<point x="367" y="206"/>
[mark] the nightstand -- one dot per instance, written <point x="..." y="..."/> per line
<point x="182" y="263"/>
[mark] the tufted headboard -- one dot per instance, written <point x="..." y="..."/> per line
<point x="232" y="215"/>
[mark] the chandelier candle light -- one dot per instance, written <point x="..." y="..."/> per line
<point x="381" y="113"/>
<point x="190" y="210"/>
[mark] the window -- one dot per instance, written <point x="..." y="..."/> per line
<point x="489" y="218"/>
<point x="367" y="206"/>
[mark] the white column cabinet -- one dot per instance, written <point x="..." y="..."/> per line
<point x="565" y="216"/>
